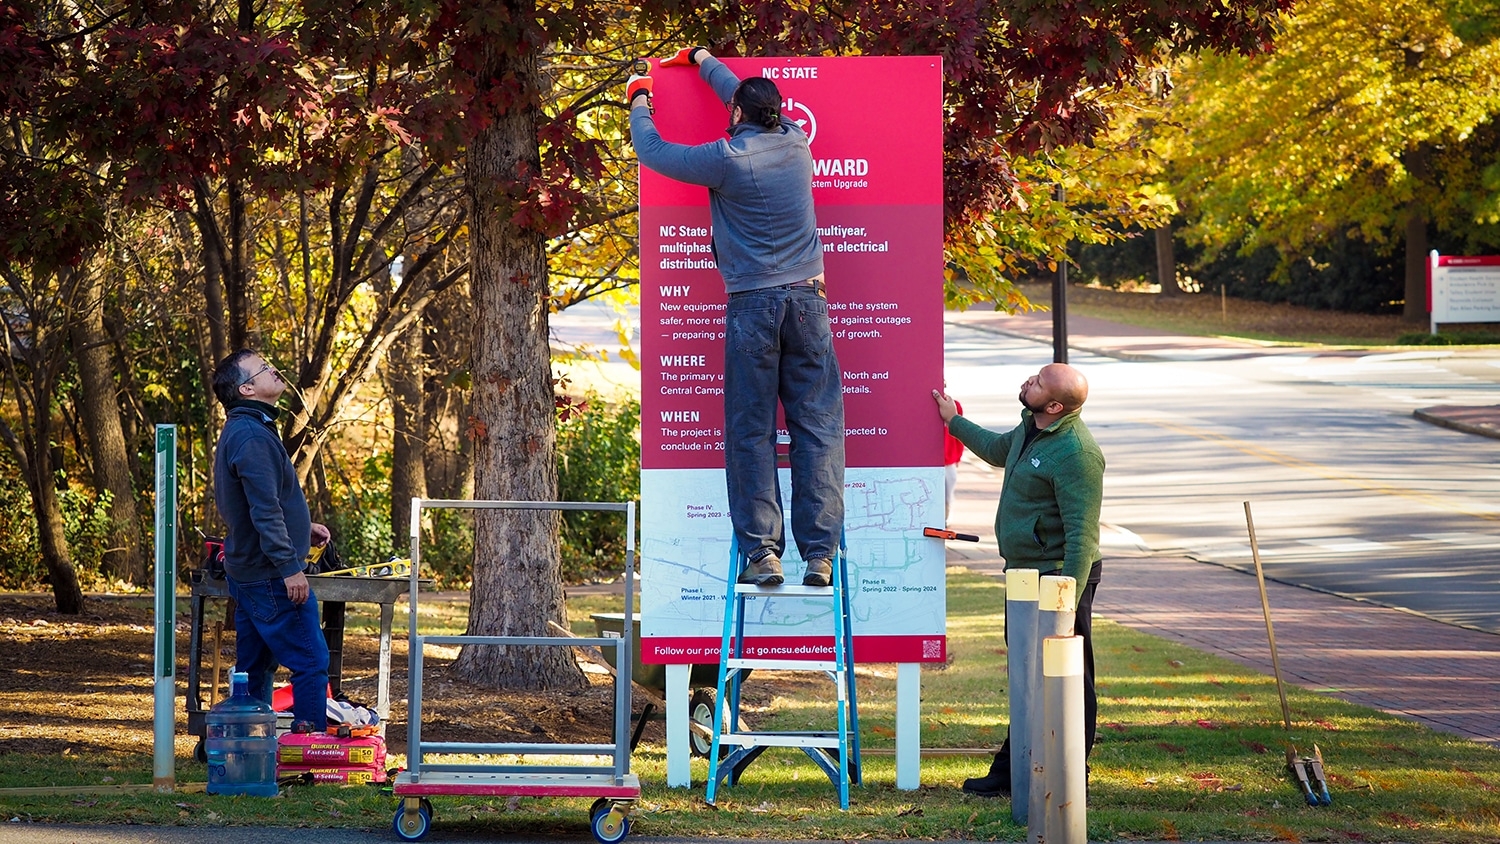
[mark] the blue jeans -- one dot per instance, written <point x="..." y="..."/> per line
<point x="778" y="344"/>
<point x="269" y="628"/>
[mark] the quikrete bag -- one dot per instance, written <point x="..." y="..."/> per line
<point x="321" y="750"/>
<point x="332" y="760"/>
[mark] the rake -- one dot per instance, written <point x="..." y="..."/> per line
<point x="1307" y="771"/>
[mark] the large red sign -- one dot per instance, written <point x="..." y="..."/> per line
<point x="878" y="191"/>
<point x="875" y="131"/>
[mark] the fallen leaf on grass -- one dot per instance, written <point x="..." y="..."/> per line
<point x="910" y="812"/>
<point x="1170" y="747"/>
<point x="1207" y="724"/>
<point x="1207" y="780"/>
<point x="1399" y="820"/>
<point x="1256" y="746"/>
<point x="1176" y="663"/>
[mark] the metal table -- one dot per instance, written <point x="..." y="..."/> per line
<point x="334" y="593"/>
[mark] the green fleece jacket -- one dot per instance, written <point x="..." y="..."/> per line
<point x="1049" y="501"/>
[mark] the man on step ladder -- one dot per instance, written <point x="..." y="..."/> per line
<point x="778" y="343"/>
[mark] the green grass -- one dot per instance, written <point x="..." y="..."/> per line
<point x="1207" y="315"/>
<point x="1191" y="747"/>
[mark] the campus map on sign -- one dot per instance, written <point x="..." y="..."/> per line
<point x="878" y="199"/>
<point x="895" y="574"/>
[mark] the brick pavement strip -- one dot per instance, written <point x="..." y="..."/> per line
<point x="1440" y="675"/>
<point x="1444" y="677"/>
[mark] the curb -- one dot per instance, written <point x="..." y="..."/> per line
<point x="1481" y="429"/>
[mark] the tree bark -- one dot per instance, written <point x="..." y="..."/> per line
<point x="408" y="449"/>
<point x="517" y="572"/>
<point x="1416" y="309"/>
<point x="66" y="594"/>
<point x="1166" y="262"/>
<point x="124" y="560"/>
<point x="49" y="526"/>
<point x="449" y="467"/>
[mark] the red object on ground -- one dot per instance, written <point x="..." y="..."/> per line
<point x="331" y="759"/>
<point x="281" y="697"/>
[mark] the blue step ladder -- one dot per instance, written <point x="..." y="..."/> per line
<point x="834" y="751"/>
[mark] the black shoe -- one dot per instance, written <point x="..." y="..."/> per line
<point x="989" y="785"/>
<point x="996" y="783"/>
<point x="819" y="572"/>
<point x="763" y="572"/>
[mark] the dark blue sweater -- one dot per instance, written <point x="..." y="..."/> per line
<point x="256" y="490"/>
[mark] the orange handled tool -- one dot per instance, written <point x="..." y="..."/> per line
<point x="940" y="533"/>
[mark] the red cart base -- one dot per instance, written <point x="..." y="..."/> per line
<point x="609" y="816"/>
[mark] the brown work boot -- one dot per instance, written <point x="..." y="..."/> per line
<point x="819" y="572"/>
<point x="765" y="571"/>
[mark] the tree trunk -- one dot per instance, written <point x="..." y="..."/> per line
<point x="408" y="450"/>
<point x="449" y="467"/>
<point x="66" y="593"/>
<point x="243" y="332"/>
<point x="100" y="410"/>
<point x="1416" y="309"/>
<point x="50" y="536"/>
<point x="1166" y="262"/>
<point x="1418" y="164"/>
<point x="517" y="572"/>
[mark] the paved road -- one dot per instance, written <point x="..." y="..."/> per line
<point x="1351" y="492"/>
<point x="1438" y="673"/>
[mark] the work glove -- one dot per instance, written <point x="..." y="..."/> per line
<point x="637" y="84"/>
<point x="686" y="56"/>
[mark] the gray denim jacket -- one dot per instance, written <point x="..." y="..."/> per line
<point x="759" y="191"/>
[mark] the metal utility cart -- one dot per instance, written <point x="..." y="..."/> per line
<point x="614" y="789"/>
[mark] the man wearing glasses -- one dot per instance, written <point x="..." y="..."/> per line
<point x="265" y="548"/>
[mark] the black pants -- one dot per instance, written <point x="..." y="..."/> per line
<point x="1083" y="627"/>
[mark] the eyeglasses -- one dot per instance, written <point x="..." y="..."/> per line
<point x="259" y="372"/>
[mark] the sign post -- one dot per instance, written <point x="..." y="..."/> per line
<point x="164" y="775"/>
<point x="878" y="192"/>
<point x="1463" y="289"/>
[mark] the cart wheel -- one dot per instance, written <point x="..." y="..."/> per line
<point x="412" y="826"/>
<point x="200" y="751"/>
<point x="610" y="826"/>
<point x="601" y="805"/>
<point x="701" y="711"/>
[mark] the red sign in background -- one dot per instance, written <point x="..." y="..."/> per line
<point x="878" y="194"/>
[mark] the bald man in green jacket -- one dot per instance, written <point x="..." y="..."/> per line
<point x="1048" y="517"/>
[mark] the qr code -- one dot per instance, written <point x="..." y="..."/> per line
<point x="932" y="648"/>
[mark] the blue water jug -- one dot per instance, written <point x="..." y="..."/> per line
<point x="241" y="743"/>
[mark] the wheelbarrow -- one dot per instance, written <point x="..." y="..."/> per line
<point x="703" y="679"/>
